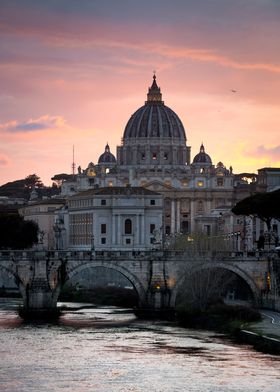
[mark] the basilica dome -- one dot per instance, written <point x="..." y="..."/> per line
<point x="202" y="157"/>
<point x="154" y="119"/>
<point x="154" y="136"/>
<point x="107" y="156"/>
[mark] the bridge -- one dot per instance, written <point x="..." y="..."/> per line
<point x="157" y="276"/>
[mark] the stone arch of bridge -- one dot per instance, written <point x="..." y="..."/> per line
<point x="238" y="271"/>
<point x="133" y="279"/>
<point x="8" y="271"/>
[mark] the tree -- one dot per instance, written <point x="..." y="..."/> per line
<point x="265" y="206"/>
<point x="204" y="287"/>
<point x="33" y="181"/>
<point x="197" y="242"/>
<point x="16" y="233"/>
<point x="60" y="178"/>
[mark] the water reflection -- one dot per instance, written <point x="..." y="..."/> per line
<point x="108" y="349"/>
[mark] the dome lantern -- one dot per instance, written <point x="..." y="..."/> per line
<point x="154" y="94"/>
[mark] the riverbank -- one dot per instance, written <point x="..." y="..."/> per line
<point x="265" y="334"/>
<point x="243" y="325"/>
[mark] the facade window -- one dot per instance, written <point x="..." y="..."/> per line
<point x="220" y="181"/>
<point x="152" y="228"/>
<point x="202" y="170"/>
<point x="110" y="183"/>
<point x="127" y="241"/>
<point x="185" y="227"/>
<point x="167" y="230"/>
<point x="207" y="229"/>
<point x="200" y="207"/>
<point x="153" y="202"/>
<point x="103" y="240"/>
<point x="165" y="157"/>
<point x="152" y="240"/>
<point x="103" y="228"/>
<point x="185" y="183"/>
<point x="200" y="184"/>
<point x="127" y="226"/>
<point x="103" y="202"/>
<point x="143" y="156"/>
<point x="154" y="156"/>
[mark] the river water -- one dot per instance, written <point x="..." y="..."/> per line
<point x="108" y="349"/>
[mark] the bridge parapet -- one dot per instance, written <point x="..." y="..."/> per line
<point x="15" y="255"/>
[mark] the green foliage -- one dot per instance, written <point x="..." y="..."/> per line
<point x="22" y="188"/>
<point x="203" y="288"/>
<point x="16" y="233"/>
<point x="235" y="312"/>
<point x="198" y="242"/>
<point x="221" y="317"/>
<point x="265" y="206"/>
<point x="33" y="181"/>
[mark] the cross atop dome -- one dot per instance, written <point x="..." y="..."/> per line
<point x="154" y="94"/>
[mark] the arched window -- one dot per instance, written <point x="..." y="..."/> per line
<point x="127" y="226"/>
<point x="200" y="206"/>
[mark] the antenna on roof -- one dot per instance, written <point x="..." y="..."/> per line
<point x="73" y="162"/>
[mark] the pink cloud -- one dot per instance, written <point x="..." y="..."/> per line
<point x="42" y="123"/>
<point x="4" y="160"/>
<point x="271" y="152"/>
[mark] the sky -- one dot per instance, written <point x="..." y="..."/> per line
<point x="73" y="72"/>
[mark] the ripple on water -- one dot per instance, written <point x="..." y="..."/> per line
<point x="103" y="349"/>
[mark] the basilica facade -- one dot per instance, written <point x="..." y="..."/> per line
<point x="154" y="155"/>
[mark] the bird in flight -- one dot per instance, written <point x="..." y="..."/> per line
<point x="233" y="91"/>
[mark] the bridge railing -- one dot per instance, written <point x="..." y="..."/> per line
<point x="16" y="255"/>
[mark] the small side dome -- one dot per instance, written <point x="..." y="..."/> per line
<point x="107" y="156"/>
<point x="202" y="157"/>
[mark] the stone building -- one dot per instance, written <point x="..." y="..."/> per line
<point x="153" y="160"/>
<point x="43" y="213"/>
<point x="154" y="154"/>
<point x="115" y="218"/>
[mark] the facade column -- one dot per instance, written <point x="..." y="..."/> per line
<point x="192" y="211"/>
<point x="178" y="216"/>
<point x="208" y="206"/>
<point x="119" y="232"/>
<point x="113" y="230"/>
<point x="137" y="238"/>
<point x="172" y="228"/>
<point x="143" y="229"/>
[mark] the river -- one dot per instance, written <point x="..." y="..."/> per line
<point x="108" y="349"/>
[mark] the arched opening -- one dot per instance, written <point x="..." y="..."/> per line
<point x="103" y="285"/>
<point x="128" y="226"/>
<point x="206" y="286"/>
<point x="8" y="287"/>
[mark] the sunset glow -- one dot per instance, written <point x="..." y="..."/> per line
<point x="72" y="73"/>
